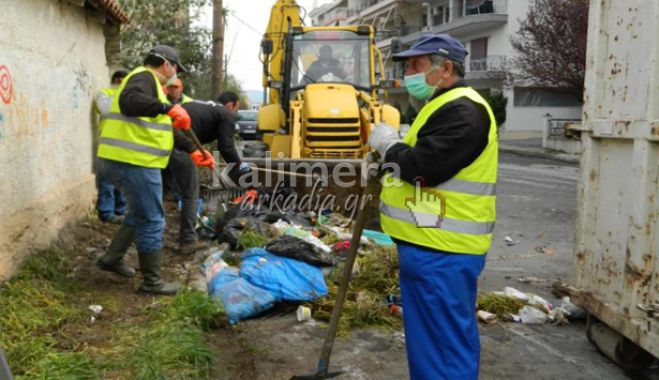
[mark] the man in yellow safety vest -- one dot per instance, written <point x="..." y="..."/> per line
<point x="135" y="144"/>
<point x="439" y="207"/>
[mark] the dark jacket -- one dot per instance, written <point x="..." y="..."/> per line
<point x="210" y="121"/>
<point x="140" y="97"/>
<point x="450" y="140"/>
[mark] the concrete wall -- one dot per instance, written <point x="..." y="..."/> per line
<point x="526" y="122"/>
<point x="52" y="61"/>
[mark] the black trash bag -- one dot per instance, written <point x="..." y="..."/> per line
<point x="231" y="231"/>
<point x="298" y="249"/>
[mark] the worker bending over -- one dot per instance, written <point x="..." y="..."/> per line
<point x="135" y="144"/>
<point x="441" y="211"/>
<point x="210" y="122"/>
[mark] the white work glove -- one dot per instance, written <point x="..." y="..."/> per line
<point x="383" y="137"/>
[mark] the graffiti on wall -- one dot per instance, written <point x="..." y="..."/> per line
<point x="6" y="84"/>
<point x="6" y="91"/>
<point x="82" y="87"/>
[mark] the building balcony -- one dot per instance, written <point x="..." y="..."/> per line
<point x="490" y="67"/>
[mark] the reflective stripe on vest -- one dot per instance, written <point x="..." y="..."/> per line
<point x="135" y="147"/>
<point x="461" y="212"/>
<point x="143" y="141"/>
<point x="138" y="122"/>
<point x="446" y="224"/>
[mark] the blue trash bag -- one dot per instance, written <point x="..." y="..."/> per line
<point x="241" y="299"/>
<point x="286" y="279"/>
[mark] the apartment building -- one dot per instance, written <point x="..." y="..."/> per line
<point x="484" y="26"/>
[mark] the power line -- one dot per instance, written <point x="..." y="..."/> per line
<point x="246" y="24"/>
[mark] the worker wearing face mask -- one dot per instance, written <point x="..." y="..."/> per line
<point x="135" y="144"/>
<point x="440" y="208"/>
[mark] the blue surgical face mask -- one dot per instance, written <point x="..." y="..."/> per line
<point x="417" y="87"/>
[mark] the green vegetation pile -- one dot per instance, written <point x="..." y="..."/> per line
<point x="500" y="305"/>
<point x="375" y="277"/>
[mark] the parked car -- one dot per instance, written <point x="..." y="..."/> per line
<point x="246" y="124"/>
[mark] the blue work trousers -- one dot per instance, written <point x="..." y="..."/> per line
<point x="439" y="312"/>
<point x="142" y="188"/>
<point x="110" y="201"/>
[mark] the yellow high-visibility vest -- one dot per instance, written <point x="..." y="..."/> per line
<point x="186" y="99"/>
<point x="462" y="209"/>
<point x="141" y="141"/>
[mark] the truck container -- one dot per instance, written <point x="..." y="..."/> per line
<point x="616" y="260"/>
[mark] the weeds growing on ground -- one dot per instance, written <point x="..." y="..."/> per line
<point x="43" y="300"/>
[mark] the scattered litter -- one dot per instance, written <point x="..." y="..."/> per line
<point x="378" y="237"/>
<point x="241" y="299"/>
<point x="303" y="313"/>
<point x="501" y="305"/>
<point x="298" y="249"/>
<point x="574" y="312"/>
<point x="510" y="242"/>
<point x="546" y="250"/>
<point x="95" y="309"/>
<point x="286" y="279"/>
<point x="486" y="317"/>
<point x="531" y="315"/>
<point x="541" y="303"/>
<point x="396" y="310"/>
<point x="514" y="293"/>
<point x="307" y="236"/>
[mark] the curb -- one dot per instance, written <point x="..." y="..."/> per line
<point x="563" y="157"/>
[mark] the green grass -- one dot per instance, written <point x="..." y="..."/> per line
<point x="40" y="307"/>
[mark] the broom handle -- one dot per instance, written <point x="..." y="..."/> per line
<point x="328" y="344"/>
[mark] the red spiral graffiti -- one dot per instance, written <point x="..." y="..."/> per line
<point x="6" y="84"/>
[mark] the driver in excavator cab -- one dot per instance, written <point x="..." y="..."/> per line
<point x="324" y="65"/>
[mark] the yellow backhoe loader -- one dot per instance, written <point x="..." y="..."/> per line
<point x="321" y="88"/>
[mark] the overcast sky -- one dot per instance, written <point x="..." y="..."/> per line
<point x="245" y="27"/>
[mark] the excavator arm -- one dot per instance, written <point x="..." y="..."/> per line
<point x="285" y="14"/>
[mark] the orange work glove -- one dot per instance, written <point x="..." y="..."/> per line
<point x="180" y="117"/>
<point x="203" y="159"/>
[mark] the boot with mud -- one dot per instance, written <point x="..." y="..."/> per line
<point x="151" y="266"/>
<point x="113" y="260"/>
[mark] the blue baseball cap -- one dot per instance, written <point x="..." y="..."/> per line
<point x="438" y="44"/>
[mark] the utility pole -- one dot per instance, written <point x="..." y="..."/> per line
<point x="218" y="47"/>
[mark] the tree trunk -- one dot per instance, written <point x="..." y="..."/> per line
<point x="218" y="47"/>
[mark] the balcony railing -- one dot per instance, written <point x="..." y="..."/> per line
<point x="485" y="7"/>
<point x="492" y="63"/>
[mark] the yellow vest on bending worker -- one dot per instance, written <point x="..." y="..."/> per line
<point x="141" y="141"/>
<point x="463" y="207"/>
<point x="186" y="99"/>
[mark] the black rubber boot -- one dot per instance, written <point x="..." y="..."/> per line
<point x="113" y="260"/>
<point x="151" y="264"/>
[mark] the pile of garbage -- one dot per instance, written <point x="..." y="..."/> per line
<point x="271" y="256"/>
<point x="529" y="308"/>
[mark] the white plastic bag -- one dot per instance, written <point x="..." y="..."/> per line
<point x="531" y="315"/>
